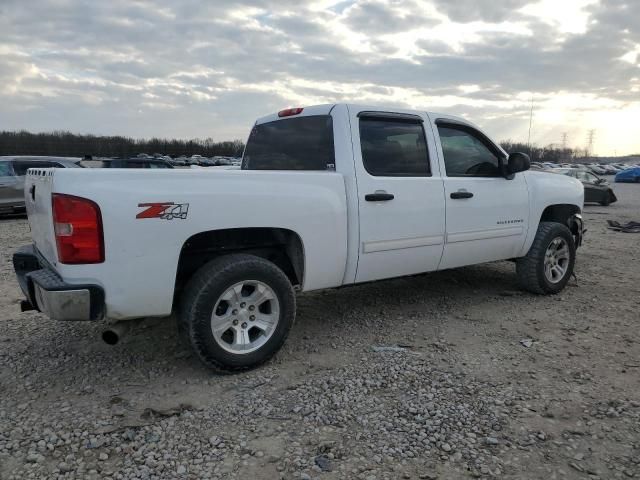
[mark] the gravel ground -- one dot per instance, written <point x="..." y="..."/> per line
<point x="490" y="382"/>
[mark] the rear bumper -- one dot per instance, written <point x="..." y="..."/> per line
<point x="48" y="293"/>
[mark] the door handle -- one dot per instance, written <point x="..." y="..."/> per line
<point x="461" y="194"/>
<point x="379" y="197"/>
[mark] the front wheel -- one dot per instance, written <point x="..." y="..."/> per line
<point x="237" y="311"/>
<point x="547" y="267"/>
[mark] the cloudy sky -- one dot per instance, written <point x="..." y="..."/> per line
<point x="203" y="68"/>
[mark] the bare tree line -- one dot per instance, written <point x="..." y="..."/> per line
<point x="67" y="144"/>
<point x="550" y="153"/>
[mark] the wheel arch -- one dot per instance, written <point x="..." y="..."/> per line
<point x="560" y="213"/>
<point x="281" y="246"/>
<point x="567" y="214"/>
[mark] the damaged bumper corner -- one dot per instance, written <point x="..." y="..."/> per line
<point x="576" y="225"/>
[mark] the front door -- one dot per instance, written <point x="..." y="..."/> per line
<point x="487" y="214"/>
<point x="400" y="195"/>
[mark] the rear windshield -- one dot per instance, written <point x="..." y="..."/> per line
<point x="303" y="143"/>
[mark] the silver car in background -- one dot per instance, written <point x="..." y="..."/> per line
<point x="12" y="173"/>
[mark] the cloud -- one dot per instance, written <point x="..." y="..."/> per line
<point x="377" y="17"/>
<point x="479" y="10"/>
<point x="199" y="68"/>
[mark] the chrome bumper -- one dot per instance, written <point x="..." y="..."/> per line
<point x="63" y="304"/>
<point x="48" y="293"/>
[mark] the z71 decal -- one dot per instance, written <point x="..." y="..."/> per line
<point x="164" y="210"/>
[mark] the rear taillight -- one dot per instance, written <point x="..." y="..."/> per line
<point x="77" y="224"/>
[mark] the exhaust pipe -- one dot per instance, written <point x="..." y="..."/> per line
<point x="114" y="333"/>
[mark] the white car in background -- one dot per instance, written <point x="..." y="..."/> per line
<point x="12" y="173"/>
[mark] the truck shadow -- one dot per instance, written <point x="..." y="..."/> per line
<point x="327" y="320"/>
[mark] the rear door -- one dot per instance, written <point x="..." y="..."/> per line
<point x="10" y="187"/>
<point x="487" y="214"/>
<point x="400" y="195"/>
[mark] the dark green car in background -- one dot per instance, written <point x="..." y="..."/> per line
<point x="596" y="189"/>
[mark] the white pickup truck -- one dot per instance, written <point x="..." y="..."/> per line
<point x="327" y="196"/>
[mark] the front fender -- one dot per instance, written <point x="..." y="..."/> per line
<point x="553" y="197"/>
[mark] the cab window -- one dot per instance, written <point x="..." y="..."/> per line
<point x="302" y="143"/>
<point x="393" y="148"/>
<point x="466" y="153"/>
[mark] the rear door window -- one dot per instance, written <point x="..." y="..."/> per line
<point x="303" y="143"/>
<point x="393" y="148"/>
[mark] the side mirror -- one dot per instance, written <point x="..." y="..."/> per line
<point x="518" y="162"/>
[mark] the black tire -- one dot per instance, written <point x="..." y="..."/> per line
<point x="530" y="268"/>
<point x="203" y="291"/>
<point x="606" y="200"/>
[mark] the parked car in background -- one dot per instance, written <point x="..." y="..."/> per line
<point x="610" y="169"/>
<point x="207" y="162"/>
<point x="12" y="173"/>
<point x="177" y="162"/>
<point x="630" y="175"/>
<point x="137" y="162"/>
<point x="598" y="170"/>
<point x="595" y="189"/>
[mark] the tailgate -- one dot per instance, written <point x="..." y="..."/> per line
<point x="38" y="186"/>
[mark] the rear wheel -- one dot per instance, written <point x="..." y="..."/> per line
<point x="606" y="200"/>
<point x="547" y="267"/>
<point x="237" y="311"/>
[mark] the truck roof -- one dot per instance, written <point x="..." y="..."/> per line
<point x="325" y="109"/>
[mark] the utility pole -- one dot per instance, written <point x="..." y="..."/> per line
<point x="530" y="122"/>
<point x="591" y="135"/>
<point x="564" y="140"/>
